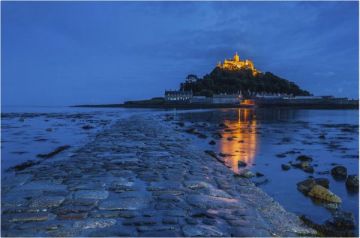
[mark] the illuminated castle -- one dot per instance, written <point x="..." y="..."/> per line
<point x="236" y="64"/>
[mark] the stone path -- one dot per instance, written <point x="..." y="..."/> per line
<point x="139" y="178"/>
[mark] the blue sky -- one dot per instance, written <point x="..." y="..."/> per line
<point x="63" y="53"/>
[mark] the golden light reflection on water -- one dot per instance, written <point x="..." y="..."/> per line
<point x="239" y="140"/>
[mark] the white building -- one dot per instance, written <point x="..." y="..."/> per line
<point x="178" y="96"/>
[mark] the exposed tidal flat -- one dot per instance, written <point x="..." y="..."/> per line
<point x="169" y="173"/>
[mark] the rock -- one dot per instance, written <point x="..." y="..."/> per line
<point x="122" y="185"/>
<point x="54" y="152"/>
<point x="207" y="202"/>
<point x="73" y="216"/>
<point x="94" y="223"/>
<point x="241" y="163"/>
<point x="306" y="185"/>
<point x="91" y="194"/>
<point x="115" y="231"/>
<point x="323" y="194"/>
<point x="24" y="165"/>
<point x="323" y="182"/>
<point x="201" y="136"/>
<point x="201" y="230"/>
<point x="342" y="220"/>
<point x="282" y="155"/>
<point x="214" y="155"/>
<point x="181" y="124"/>
<point x="339" y="172"/>
<point x="26" y="217"/>
<point x="67" y="209"/>
<point x="285" y="166"/>
<point x="258" y="174"/>
<point x="308" y="169"/>
<point x="352" y="183"/>
<point x="328" y="229"/>
<point x="305" y="166"/>
<point x="260" y="181"/>
<point x="223" y="125"/>
<point x="212" y="142"/>
<point x="211" y="153"/>
<point x="87" y="127"/>
<point x="191" y="131"/>
<point x="170" y="220"/>
<point x="46" y="202"/>
<point x="138" y="221"/>
<point x="224" y="155"/>
<point x="130" y="203"/>
<point x="304" y="158"/>
<point x="245" y="174"/>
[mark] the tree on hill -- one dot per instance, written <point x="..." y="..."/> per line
<point x="243" y="80"/>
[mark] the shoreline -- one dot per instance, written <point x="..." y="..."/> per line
<point x="219" y="106"/>
<point x="121" y="160"/>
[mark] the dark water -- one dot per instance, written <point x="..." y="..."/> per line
<point x="257" y="136"/>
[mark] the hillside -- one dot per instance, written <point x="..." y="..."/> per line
<point x="236" y="76"/>
<point x="230" y="81"/>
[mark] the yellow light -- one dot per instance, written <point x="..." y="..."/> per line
<point x="244" y="146"/>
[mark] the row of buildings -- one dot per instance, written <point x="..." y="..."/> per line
<point x="181" y="97"/>
<point x="188" y="97"/>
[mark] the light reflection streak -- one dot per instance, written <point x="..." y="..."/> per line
<point x="242" y="145"/>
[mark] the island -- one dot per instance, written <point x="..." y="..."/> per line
<point x="237" y="83"/>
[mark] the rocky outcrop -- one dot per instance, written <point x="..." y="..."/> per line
<point x="316" y="188"/>
<point x="323" y="194"/>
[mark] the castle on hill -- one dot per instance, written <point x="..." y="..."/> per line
<point x="236" y="64"/>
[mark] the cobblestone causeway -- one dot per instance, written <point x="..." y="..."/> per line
<point x="139" y="178"/>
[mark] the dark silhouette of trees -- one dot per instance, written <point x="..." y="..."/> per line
<point x="231" y="81"/>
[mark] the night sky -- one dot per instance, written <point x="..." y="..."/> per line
<point x="63" y="53"/>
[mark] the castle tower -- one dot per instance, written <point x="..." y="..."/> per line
<point x="236" y="57"/>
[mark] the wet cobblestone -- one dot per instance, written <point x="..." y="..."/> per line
<point x="139" y="178"/>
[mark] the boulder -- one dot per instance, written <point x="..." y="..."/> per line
<point x="342" y="220"/>
<point x="304" y="158"/>
<point x="285" y="166"/>
<point x="339" y="172"/>
<point x="306" y="185"/>
<point x="352" y="183"/>
<point x="323" y="194"/>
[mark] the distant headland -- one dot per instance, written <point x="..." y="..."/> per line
<point x="237" y="83"/>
